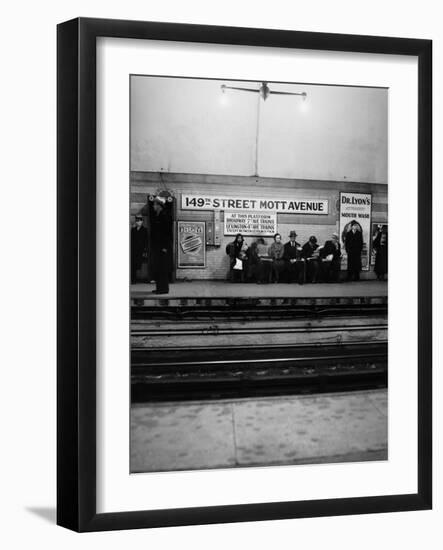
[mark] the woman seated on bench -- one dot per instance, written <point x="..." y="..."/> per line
<point x="265" y="262"/>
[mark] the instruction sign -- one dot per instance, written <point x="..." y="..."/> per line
<point x="250" y="223"/>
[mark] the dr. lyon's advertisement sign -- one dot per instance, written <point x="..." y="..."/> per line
<point x="356" y="207"/>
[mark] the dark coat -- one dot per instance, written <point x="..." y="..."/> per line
<point x="161" y="231"/>
<point x="161" y="244"/>
<point x="139" y="244"/>
<point x="354" y="246"/>
<point x="253" y="257"/>
<point x="308" y="250"/>
<point x="233" y="250"/>
<point x="381" y="253"/>
<point x="291" y="252"/>
<point x="330" y="248"/>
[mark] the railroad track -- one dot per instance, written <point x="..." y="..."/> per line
<point x="244" y="372"/>
<point x="245" y="349"/>
<point x="251" y="310"/>
<point x="233" y="332"/>
<point x="217" y="329"/>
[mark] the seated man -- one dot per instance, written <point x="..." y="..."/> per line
<point x="310" y="253"/>
<point x="295" y="265"/>
<point x="276" y="251"/>
<point x="330" y="255"/>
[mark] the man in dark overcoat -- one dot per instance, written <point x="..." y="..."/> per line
<point x="139" y="245"/>
<point x="353" y="247"/>
<point x="161" y="239"/>
<point x="380" y="245"/>
<point x="295" y="266"/>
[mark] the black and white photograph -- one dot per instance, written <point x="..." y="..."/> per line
<point x="209" y="342"/>
<point x="258" y="227"/>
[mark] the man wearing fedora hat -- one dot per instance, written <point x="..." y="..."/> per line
<point x="160" y="242"/>
<point x="295" y="266"/>
<point x="354" y="246"/>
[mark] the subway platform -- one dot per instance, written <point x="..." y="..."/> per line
<point x="217" y="292"/>
<point x="281" y="430"/>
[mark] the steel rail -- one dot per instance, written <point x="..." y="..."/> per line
<point x="256" y="346"/>
<point x="240" y="330"/>
<point x="269" y="360"/>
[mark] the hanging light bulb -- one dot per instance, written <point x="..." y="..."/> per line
<point x="224" y="96"/>
<point x="264" y="91"/>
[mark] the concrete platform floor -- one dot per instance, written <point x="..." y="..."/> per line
<point x="224" y="289"/>
<point x="338" y="427"/>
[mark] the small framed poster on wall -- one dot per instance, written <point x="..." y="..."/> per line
<point x="191" y="248"/>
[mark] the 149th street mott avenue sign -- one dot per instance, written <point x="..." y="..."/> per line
<point x="290" y="205"/>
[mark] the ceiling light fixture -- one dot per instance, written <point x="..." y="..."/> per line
<point x="264" y="91"/>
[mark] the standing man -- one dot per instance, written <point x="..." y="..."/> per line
<point x="295" y="266"/>
<point x="380" y="245"/>
<point x="139" y="246"/>
<point x="161" y="240"/>
<point x="354" y="246"/>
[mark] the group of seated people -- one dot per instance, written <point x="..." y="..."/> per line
<point x="289" y="263"/>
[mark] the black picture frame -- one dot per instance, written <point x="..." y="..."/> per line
<point x="76" y="280"/>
